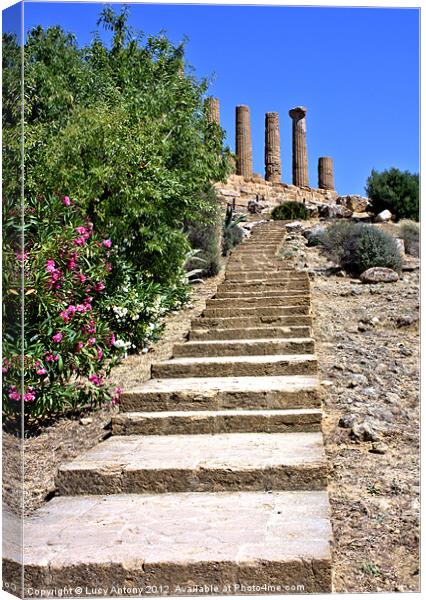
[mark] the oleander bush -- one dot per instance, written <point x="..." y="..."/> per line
<point x="68" y="349"/>
<point x="410" y="233"/>
<point x="289" y="211"/>
<point x="119" y="127"/>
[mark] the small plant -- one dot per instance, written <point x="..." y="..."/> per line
<point x="232" y="234"/>
<point x="374" y="489"/>
<point x="289" y="210"/>
<point x="410" y="233"/>
<point x="371" y="568"/>
<point x="396" y="488"/>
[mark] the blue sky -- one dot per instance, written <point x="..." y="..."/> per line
<point x="356" y="70"/>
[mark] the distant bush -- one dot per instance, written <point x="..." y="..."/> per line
<point x="410" y="233"/>
<point x="290" y="210"/>
<point x="395" y="190"/>
<point x="232" y="234"/>
<point x="357" y="247"/>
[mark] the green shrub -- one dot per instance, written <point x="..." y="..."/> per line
<point x="204" y="236"/>
<point x="232" y="234"/>
<point x="395" y="190"/>
<point x="332" y="239"/>
<point x="357" y="247"/>
<point x="289" y="211"/>
<point x="410" y="233"/>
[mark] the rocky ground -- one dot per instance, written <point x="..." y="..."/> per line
<point x="66" y="438"/>
<point x="367" y="340"/>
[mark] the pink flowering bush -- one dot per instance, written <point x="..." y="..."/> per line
<point x="68" y="349"/>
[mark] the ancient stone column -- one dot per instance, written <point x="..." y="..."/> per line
<point x="300" y="153"/>
<point x="272" y="147"/>
<point x="212" y="110"/>
<point x="243" y="148"/>
<point x="325" y="173"/>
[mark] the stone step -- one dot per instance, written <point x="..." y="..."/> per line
<point x="138" y="464"/>
<point x="262" y="294"/>
<point x="221" y="393"/>
<point x="267" y="311"/>
<point x="167" y="543"/>
<point x="276" y="280"/>
<point x="258" y="288"/>
<point x="259" y="301"/>
<point x="266" y="276"/>
<point x="235" y="366"/>
<point x="223" y="421"/>
<point x="255" y="321"/>
<point x="245" y="347"/>
<point x="249" y="333"/>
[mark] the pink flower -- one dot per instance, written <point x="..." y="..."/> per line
<point x="49" y="357"/>
<point x="99" y="286"/>
<point x="79" y="346"/>
<point x="14" y="394"/>
<point x="116" y="398"/>
<point x="88" y="306"/>
<point x="96" y="379"/>
<point x="108" y="267"/>
<point x="81" y="308"/>
<point x="92" y="341"/>
<point x="6" y="364"/>
<point x="111" y="341"/>
<point x="41" y="371"/>
<point x="71" y="309"/>
<point x="100" y="353"/>
<point x="65" y="316"/>
<point x="82" y="277"/>
<point x="66" y="201"/>
<point x="92" y="327"/>
<point x="107" y="243"/>
<point x="29" y="396"/>
<point x="50" y="266"/>
<point x="57" y="337"/>
<point x="21" y="257"/>
<point x="80" y="241"/>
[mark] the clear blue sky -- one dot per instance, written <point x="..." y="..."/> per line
<point x="356" y="70"/>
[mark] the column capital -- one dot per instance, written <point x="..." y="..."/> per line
<point x="297" y="113"/>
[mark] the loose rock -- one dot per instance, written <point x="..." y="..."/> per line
<point x="379" y="275"/>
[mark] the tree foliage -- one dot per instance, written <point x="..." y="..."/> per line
<point x="395" y="190"/>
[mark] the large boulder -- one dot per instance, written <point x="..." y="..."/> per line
<point x="334" y="211"/>
<point x="379" y="275"/>
<point x="384" y="216"/>
<point x="354" y="202"/>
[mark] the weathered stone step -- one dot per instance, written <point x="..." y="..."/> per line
<point x="276" y="280"/>
<point x="234" y="366"/>
<point x="170" y="542"/>
<point x="247" y="347"/>
<point x="267" y="276"/>
<point x="224" y="421"/>
<point x="254" y="321"/>
<point x="262" y="294"/>
<point x="220" y="393"/>
<point x="138" y="464"/>
<point x="267" y="311"/>
<point x="249" y="333"/>
<point x="259" y="301"/>
<point x="260" y="288"/>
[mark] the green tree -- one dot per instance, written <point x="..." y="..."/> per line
<point x="395" y="190"/>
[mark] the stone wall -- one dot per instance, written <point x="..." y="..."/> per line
<point x="272" y="194"/>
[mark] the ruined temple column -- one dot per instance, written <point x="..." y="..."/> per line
<point x="212" y="110"/>
<point x="272" y="147"/>
<point x="325" y="173"/>
<point x="300" y="153"/>
<point x="243" y="142"/>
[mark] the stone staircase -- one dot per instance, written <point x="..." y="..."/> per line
<point x="215" y="474"/>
